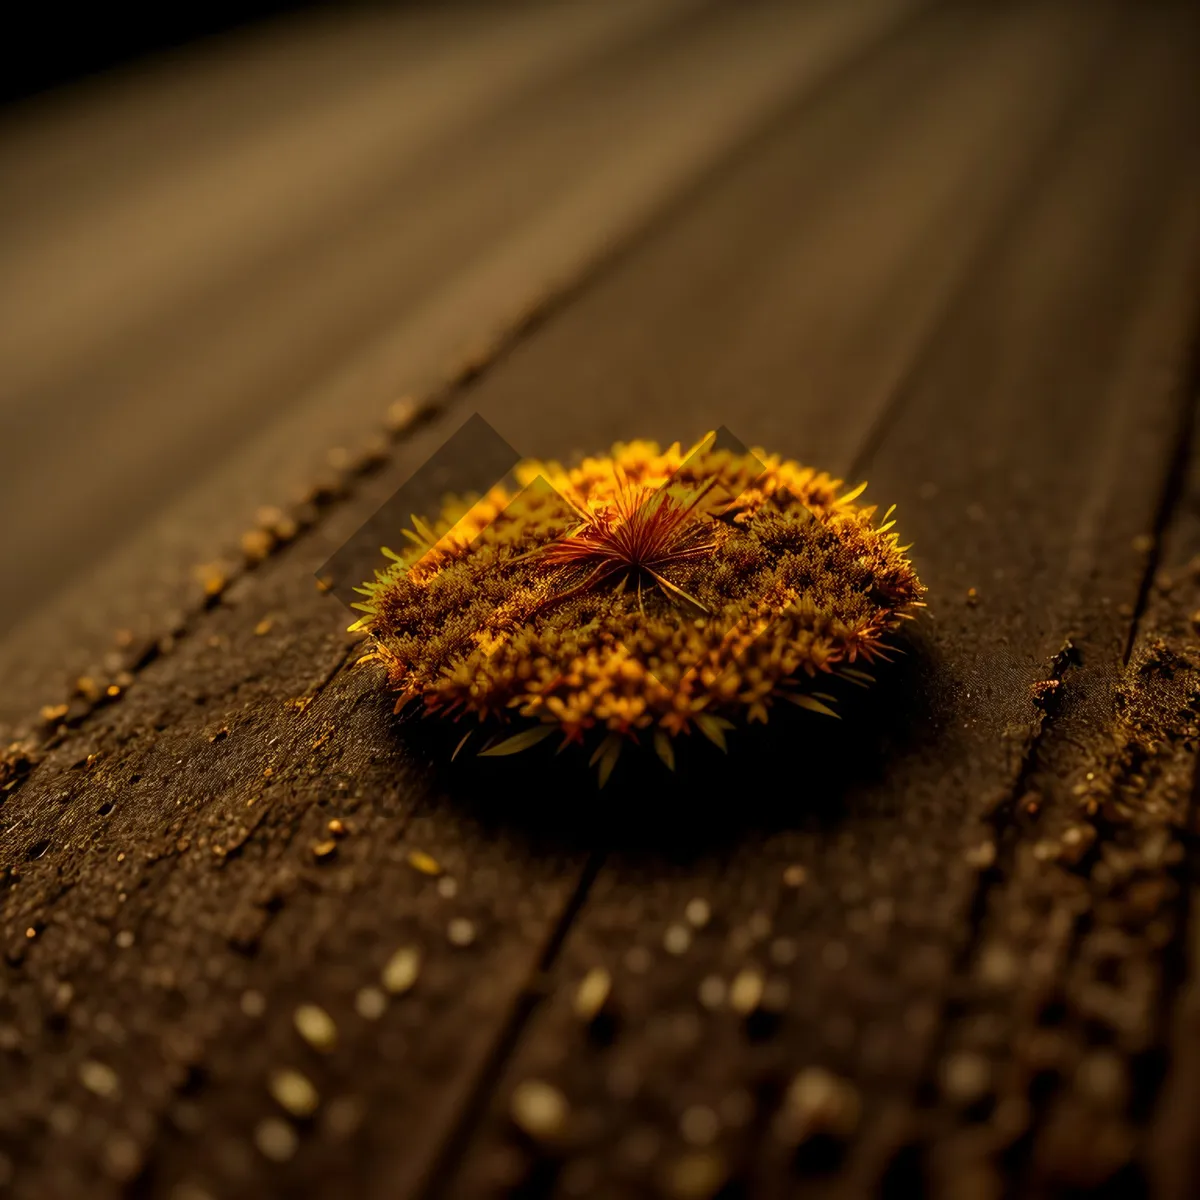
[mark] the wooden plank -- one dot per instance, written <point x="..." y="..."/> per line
<point x="305" y="350"/>
<point x="111" y="876"/>
<point x="1072" y="1043"/>
<point x="303" y="223"/>
<point x="1168" y="868"/>
<point x="269" y="177"/>
<point x="866" y="951"/>
<point x="183" y="754"/>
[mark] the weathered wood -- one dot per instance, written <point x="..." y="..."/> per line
<point x="339" y="307"/>
<point x="867" y="951"/>
<point x="965" y="269"/>
<point x="1172" y="972"/>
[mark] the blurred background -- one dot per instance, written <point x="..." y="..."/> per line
<point x="260" y="262"/>
<point x="232" y="236"/>
<point x="51" y="47"/>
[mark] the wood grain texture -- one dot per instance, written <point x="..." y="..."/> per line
<point x="869" y="949"/>
<point x="344" y="306"/>
<point x="956" y="253"/>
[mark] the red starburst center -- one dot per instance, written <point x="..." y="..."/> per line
<point x="641" y="533"/>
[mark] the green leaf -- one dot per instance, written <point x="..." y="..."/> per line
<point x="858" y="678"/>
<point x="813" y="705"/>
<point x="664" y="749"/>
<point x="610" y="752"/>
<point x="518" y="741"/>
<point x="599" y="750"/>
<point x="713" y="728"/>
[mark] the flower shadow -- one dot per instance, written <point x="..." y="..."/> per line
<point x="800" y="771"/>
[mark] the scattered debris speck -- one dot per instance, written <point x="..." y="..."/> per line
<point x="746" y="991"/>
<point x="592" y="994"/>
<point x="401" y="970"/>
<point x="99" y="1078"/>
<point x="461" y="932"/>
<point x="213" y="578"/>
<point x="316" y="1027"/>
<point x="538" y="1109"/>
<point x="256" y="544"/>
<point x="1075" y="843"/>
<point x="817" y="1103"/>
<point x="122" y="1158"/>
<point x="981" y="856"/>
<point x="1044" y="850"/>
<point x="370" y="1003"/>
<point x="998" y="966"/>
<point x="324" y="851"/>
<point x="294" y="1092"/>
<point x="253" y="1003"/>
<point x="965" y="1077"/>
<point x="275" y="1139"/>
<point x="677" y="939"/>
<point x="425" y="863"/>
<point x="400" y="415"/>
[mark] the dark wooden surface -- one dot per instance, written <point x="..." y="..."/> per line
<point x="949" y="248"/>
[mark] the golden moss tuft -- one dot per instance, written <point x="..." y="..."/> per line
<point x="638" y="596"/>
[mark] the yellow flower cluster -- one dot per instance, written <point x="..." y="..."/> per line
<point x="639" y="596"/>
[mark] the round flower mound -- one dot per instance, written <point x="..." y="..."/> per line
<point x="637" y="597"/>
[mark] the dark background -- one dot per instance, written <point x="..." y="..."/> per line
<point x="49" y="45"/>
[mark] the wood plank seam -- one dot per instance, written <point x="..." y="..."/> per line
<point x="1009" y="839"/>
<point x="986" y="253"/>
<point x="529" y="997"/>
<point x="1175" y="955"/>
<point x="993" y="246"/>
<point x="1142" y="629"/>
<point x="474" y="1104"/>
<point x="1173" y="491"/>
